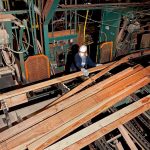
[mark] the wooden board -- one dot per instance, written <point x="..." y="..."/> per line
<point x="16" y="100"/>
<point x="95" y="77"/>
<point x="65" y="78"/>
<point x="48" y="83"/>
<point x="79" y="120"/>
<point x="61" y="33"/>
<point x="51" y="124"/>
<point x="102" y="127"/>
<point x="68" y="102"/>
<point x="127" y="138"/>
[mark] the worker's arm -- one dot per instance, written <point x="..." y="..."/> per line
<point x="78" y="62"/>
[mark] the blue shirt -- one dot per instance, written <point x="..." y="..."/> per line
<point x="79" y="62"/>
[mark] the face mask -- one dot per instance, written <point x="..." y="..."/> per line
<point x="82" y="54"/>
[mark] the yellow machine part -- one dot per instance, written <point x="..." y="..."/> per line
<point x="37" y="68"/>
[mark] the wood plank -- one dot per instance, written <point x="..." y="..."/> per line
<point x="98" y="87"/>
<point x="104" y="131"/>
<point x="127" y="138"/>
<point x="56" y="120"/>
<point x="68" y="102"/>
<point x="98" y="75"/>
<point x="102" y="127"/>
<point x="61" y="33"/>
<point x="23" y="113"/>
<point x="37" y="131"/>
<point x="69" y="126"/>
<point x="119" y="145"/>
<point x="65" y="78"/>
<point x="16" y="100"/>
<point x="48" y="83"/>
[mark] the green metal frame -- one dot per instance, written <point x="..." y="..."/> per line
<point x="49" y="17"/>
<point x="45" y="27"/>
<point x="8" y="26"/>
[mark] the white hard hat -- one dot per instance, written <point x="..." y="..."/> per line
<point x="71" y="40"/>
<point x="83" y="49"/>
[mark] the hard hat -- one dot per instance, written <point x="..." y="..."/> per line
<point x="83" y="49"/>
<point x="71" y="40"/>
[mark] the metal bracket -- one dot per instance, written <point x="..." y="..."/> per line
<point x="6" y="113"/>
<point x="63" y="88"/>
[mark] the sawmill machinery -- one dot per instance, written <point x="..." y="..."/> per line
<point x="51" y="28"/>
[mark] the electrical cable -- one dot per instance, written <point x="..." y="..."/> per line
<point x="28" y="34"/>
<point x="23" y="41"/>
<point x="102" y="22"/>
<point x="17" y="52"/>
<point x="28" y="43"/>
<point x="85" y="24"/>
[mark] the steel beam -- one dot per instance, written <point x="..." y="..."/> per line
<point x="99" y="6"/>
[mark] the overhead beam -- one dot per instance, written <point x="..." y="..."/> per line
<point x="102" y="127"/>
<point x="49" y="9"/>
<point x="99" y="6"/>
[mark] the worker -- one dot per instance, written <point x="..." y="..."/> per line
<point x="83" y="61"/>
<point x="70" y="64"/>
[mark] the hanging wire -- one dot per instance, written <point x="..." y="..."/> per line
<point x="100" y="22"/>
<point x="85" y="24"/>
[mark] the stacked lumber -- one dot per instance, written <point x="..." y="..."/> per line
<point x="61" y="118"/>
<point x="74" y="109"/>
<point x="102" y="127"/>
<point x="10" y="97"/>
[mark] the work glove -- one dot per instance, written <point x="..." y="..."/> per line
<point x="98" y="65"/>
<point x="85" y="72"/>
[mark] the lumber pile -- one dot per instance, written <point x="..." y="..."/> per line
<point x="96" y="130"/>
<point x="76" y="108"/>
<point x="10" y="97"/>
